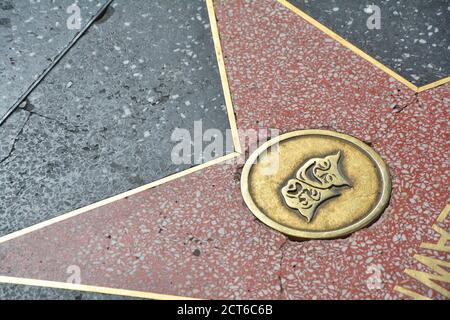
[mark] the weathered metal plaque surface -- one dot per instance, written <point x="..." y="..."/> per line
<point x="316" y="184"/>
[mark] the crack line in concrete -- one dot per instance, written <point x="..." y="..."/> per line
<point x="55" y="62"/>
<point x="16" y="138"/>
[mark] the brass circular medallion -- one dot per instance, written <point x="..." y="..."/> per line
<point x="316" y="184"/>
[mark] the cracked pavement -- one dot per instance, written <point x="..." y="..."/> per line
<point x="34" y="34"/>
<point x="109" y="130"/>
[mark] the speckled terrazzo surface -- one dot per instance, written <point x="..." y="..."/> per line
<point x="413" y="39"/>
<point x="19" y="292"/>
<point x="32" y="34"/>
<point x="101" y="122"/>
<point x="195" y="237"/>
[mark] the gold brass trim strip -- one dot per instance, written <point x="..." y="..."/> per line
<point x="93" y="289"/>
<point x="434" y="84"/>
<point x="223" y="75"/>
<point x="359" y="52"/>
<point x="104" y="202"/>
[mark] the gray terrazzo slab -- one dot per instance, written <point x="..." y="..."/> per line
<point x="32" y="34"/>
<point x="413" y="38"/>
<point x="101" y="122"/>
<point x="22" y="292"/>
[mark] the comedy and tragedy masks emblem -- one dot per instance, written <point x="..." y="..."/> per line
<point x="317" y="180"/>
